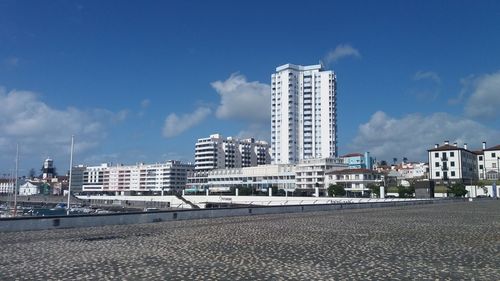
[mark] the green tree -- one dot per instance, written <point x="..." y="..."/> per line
<point x="458" y="190"/>
<point x="336" y="190"/>
<point x="244" y="190"/>
<point x="375" y="189"/>
<point x="405" y="192"/>
<point x="32" y="173"/>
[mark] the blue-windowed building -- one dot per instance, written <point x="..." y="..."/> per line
<point x="359" y="160"/>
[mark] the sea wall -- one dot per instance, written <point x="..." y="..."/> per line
<point x="75" y="221"/>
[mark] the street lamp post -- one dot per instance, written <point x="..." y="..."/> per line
<point x="498" y="168"/>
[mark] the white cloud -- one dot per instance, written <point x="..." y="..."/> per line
<point x="11" y="61"/>
<point x="467" y="83"/>
<point x="175" y="125"/>
<point x="342" y="51"/>
<point x="410" y="136"/>
<point x="427" y="86"/>
<point x="421" y="75"/>
<point x="485" y="99"/>
<point x="145" y="103"/>
<point x="44" y="131"/>
<point x="243" y="100"/>
<point x="257" y="131"/>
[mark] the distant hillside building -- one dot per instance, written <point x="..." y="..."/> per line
<point x="217" y="152"/>
<point x="303" y="113"/>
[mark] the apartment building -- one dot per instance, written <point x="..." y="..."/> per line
<point x="452" y="164"/>
<point x="303" y="113"/>
<point x="217" y="152"/>
<point x="140" y="179"/>
<point x="488" y="162"/>
<point x="6" y="186"/>
<point x="310" y="173"/>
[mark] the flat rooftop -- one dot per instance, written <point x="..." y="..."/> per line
<point x="448" y="241"/>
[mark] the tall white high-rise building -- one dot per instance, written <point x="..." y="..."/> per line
<point x="303" y="113"/>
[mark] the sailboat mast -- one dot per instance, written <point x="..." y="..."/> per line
<point x="70" y="173"/>
<point x="15" y="179"/>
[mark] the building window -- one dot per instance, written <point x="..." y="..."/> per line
<point x="437" y="174"/>
<point x="452" y="173"/>
<point x="452" y="164"/>
<point x="494" y="165"/>
<point x="493" y="155"/>
<point x="436" y="154"/>
<point x="437" y="164"/>
<point x="480" y="158"/>
<point x="480" y="167"/>
<point x="452" y="154"/>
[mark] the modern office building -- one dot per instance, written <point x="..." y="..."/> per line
<point x="452" y="164"/>
<point x="303" y="113"/>
<point x="258" y="178"/>
<point x="217" y="152"/>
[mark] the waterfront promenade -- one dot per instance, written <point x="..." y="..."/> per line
<point x="450" y="241"/>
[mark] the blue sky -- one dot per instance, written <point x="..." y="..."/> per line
<point x="140" y="81"/>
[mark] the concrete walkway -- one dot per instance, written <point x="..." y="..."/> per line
<point x="455" y="241"/>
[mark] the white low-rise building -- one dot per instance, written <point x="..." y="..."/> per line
<point x="307" y="177"/>
<point x="452" y="164"/>
<point x="29" y="189"/>
<point x="310" y="173"/>
<point x="355" y="181"/>
<point x="488" y="162"/>
<point x="258" y="178"/>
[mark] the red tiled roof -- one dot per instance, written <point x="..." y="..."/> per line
<point x="496" y="147"/>
<point x="448" y="147"/>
